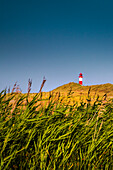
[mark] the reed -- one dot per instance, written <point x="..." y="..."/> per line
<point x="55" y="135"/>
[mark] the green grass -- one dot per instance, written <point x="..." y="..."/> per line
<point x="55" y="135"/>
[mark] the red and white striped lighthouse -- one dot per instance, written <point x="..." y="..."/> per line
<point x="80" y="79"/>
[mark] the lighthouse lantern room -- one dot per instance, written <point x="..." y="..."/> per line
<point x="80" y="79"/>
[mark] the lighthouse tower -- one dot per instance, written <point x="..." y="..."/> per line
<point x="80" y="79"/>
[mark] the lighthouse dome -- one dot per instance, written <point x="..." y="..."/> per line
<point x="80" y="74"/>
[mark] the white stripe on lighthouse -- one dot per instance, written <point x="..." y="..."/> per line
<point x="80" y="79"/>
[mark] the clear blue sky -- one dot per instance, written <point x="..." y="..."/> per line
<point x="57" y="39"/>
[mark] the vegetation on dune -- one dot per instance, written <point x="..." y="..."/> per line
<point x="55" y="134"/>
<point x="79" y="92"/>
<point x="105" y="88"/>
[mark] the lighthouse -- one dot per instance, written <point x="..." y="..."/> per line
<point x="80" y="78"/>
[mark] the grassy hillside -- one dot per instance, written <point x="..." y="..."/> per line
<point x="76" y="89"/>
<point x="73" y="92"/>
<point x="78" y="92"/>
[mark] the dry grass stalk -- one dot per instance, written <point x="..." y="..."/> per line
<point x="100" y="127"/>
<point x="29" y="85"/>
<point x="18" y="90"/>
<point x="96" y="128"/>
<point x="9" y="89"/>
<point x="14" y="87"/>
<point x="42" y="85"/>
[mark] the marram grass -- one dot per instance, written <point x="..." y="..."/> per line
<point x="55" y="135"/>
